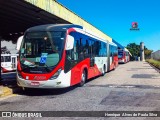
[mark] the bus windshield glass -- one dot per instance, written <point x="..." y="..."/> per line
<point x="41" y="49"/>
<point x="120" y="54"/>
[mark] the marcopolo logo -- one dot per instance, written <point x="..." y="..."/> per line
<point x="39" y="78"/>
<point x="134" y="26"/>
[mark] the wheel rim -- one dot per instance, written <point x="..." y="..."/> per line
<point x="83" y="77"/>
<point x="104" y="69"/>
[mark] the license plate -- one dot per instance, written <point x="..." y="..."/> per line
<point x="35" y="83"/>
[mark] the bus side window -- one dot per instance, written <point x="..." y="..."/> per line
<point x="2" y="59"/>
<point x="7" y="58"/>
<point x="110" y="47"/>
<point x="87" y="49"/>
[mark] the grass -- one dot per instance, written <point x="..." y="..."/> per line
<point x="154" y="63"/>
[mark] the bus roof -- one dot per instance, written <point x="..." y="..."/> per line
<point x="9" y="54"/>
<point x="118" y="44"/>
<point x="111" y="43"/>
<point x="126" y="50"/>
<point x="53" y="27"/>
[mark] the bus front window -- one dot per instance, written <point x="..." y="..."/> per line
<point x="120" y="54"/>
<point x="41" y="49"/>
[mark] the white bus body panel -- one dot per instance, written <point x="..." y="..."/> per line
<point x="100" y="62"/>
<point x="9" y="65"/>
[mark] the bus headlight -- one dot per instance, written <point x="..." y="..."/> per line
<point x="56" y="74"/>
<point x="19" y="74"/>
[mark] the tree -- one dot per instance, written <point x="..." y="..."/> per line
<point x="134" y="50"/>
<point x="147" y="53"/>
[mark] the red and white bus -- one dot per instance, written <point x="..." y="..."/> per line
<point x="8" y="62"/>
<point x="62" y="55"/>
<point x="123" y="56"/>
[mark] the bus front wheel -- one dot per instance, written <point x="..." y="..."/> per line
<point x="114" y="67"/>
<point x="103" y="70"/>
<point x="83" y="78"/>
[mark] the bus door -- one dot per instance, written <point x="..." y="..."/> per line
<point x="111" y="54"/>
<point x="14" y="62"/>
<point x="125" y="58"/>
<point x="108" y="56"/>
<point x="91" y="52"/>
<point x="72" y="60"/>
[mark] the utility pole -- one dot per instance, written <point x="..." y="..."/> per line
<point x="142" y="51"/>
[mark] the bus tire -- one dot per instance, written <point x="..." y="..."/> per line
<point x="25" y="89"/>
<point x="114" y="67"/>
<point x="83" y="78"/>
<point x="103" y="70"/>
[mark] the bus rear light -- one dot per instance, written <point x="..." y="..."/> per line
<point x="56" y="74"/>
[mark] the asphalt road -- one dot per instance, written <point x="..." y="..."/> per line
<point x="134" y="86"/>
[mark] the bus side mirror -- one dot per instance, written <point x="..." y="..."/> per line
<point x="69" y="42"/>
<point x="19" y="41"/>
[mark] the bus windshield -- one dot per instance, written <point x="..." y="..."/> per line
<point x="120" y="54"/>
<point x="42" y="50"/>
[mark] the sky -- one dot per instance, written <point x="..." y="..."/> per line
<point x="114" y="18"/>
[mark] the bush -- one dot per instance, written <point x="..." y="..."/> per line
<point x="154" y="63"/>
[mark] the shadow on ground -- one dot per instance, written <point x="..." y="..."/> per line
<point x="8" y="80"/>
<point x="34" y="91"/>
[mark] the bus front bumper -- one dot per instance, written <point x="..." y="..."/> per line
<point x="59" y="82"/>
<point x="121" y="61"/>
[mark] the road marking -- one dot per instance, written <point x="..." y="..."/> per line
<point x="122" y="86"/>
<point x="9" y="96"/>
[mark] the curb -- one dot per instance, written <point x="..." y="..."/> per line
<point x="6" y="91"/>
<point x="158" y="70"/>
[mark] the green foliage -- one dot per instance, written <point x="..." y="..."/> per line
<point x="154" y="63"/>
<point x="134" y="50"/>
<point x="147" y="53"/>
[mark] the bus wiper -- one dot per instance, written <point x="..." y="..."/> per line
<point x="46" y="67"/>
<point x="35" y="66"/>
<point x="28" y="67"/>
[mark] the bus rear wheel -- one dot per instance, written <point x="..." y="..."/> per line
<point x="103" y="70"/>
<point x="83" y="78"/>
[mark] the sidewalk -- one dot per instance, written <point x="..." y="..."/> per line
<point x="131" y="74"/>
